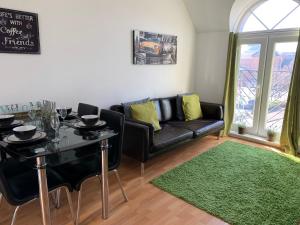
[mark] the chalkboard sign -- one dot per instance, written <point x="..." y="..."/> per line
<point x="19" y="32"/>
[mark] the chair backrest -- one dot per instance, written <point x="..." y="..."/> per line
<point x="10" y="169"/>
<point x="115" y="121"/>
<point x="86" y="109"/>
<point x="2" y="155"/>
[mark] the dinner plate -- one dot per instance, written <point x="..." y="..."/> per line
<point x="13" y="124"/>
<point x="70" y="116"/>
<point x="12" y="139"/>
<point x="81" y="125"/>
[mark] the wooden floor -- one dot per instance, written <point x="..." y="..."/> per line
<point x="147" y="204"/>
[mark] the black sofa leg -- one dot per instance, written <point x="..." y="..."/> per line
<point x="142" y="169"/>
<point x="220" y="134"/>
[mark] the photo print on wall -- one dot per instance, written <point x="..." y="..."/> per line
<point x="154" y="49"/>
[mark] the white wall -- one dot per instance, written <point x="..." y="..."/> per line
<point x="211" y="18"/>
<point x="87" y="52"/>
<point x="210" y="15"/>
<point x="211" y="65"/>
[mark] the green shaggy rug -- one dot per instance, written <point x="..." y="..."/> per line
<point x="240" y="184"/>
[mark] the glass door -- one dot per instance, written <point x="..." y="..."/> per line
<point x="251" y="61"/>
<point x="264" y="70"/>
<point x="279" y="68"/>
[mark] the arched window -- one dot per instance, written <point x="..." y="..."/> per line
<point x="267" y="43"/>
<point x="272" y="15"/>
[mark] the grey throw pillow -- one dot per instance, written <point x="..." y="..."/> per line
<point x="126" y="106"/>
<point x="157" y="107"/>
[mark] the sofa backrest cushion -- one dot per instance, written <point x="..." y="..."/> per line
<point x="168" y="108"/>
<point x="158" y="109"/>
<point x="127" y="109"/>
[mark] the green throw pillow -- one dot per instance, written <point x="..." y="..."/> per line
<point x="145" y="112"/>
<point x="191" y="107"/>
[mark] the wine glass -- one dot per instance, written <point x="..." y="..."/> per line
<point x="55" y="124"/>
<point x="32" y="114"/>
<point x="63" y="112"/>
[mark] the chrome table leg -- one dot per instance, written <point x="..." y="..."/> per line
<point x="43" y="190"/>
<point x="104" y="175"/>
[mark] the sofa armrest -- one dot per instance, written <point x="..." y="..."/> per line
<point x="212" y="111"/>
<point x="117" y="108"/>
<point x="138" y="138"/>
<point x="148" y="125"/>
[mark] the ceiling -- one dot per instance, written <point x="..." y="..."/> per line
<point x="210" y="15"/>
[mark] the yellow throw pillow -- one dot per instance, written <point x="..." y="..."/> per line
<point x="191" y="107"/>
<point x="145" y="112"/>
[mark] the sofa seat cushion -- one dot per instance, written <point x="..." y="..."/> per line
<point x="199" y="127"/>
<point x="169" y="135"/>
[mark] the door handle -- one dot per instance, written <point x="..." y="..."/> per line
<point x="258" y="89"/>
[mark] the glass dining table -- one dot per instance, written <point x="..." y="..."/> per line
<point x="70" y="140"/>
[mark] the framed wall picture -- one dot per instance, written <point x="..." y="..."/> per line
<point x="153" y="48"/>
<point x="19" y="32"/>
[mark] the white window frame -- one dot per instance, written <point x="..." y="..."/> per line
<point x="267" y="39"/>
<point x="249" y="11"/>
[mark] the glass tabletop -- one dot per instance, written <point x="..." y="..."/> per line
<point x="70" y="139"/>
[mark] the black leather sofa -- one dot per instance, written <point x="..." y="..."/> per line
<point x="142" y="143"/>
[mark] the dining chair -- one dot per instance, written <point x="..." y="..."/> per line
<point x="79" y="171"/>
<point x="86" y="109"/>
<point x="19" y="185"/>
<point x="2" y="156"/>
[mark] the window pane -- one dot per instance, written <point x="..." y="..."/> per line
<point x="272" y="11"/>
<point x="252" y="24"/>
<point x="283" y="62"/>
<point x="247" y="84"/>
<point x="293" y="20"/>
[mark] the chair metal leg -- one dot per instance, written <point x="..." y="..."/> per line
<point x="142" y="169"/>
<point x="53" y="198"/>
<point x="1" y="197"/>
<point x="78" y="207"/>
<point x="57" y="204"/>
<point x="120" y="184"/>
<point x="70" y="204"/>
<point x="99" y="178"/>
<point x="15" y="215"/>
